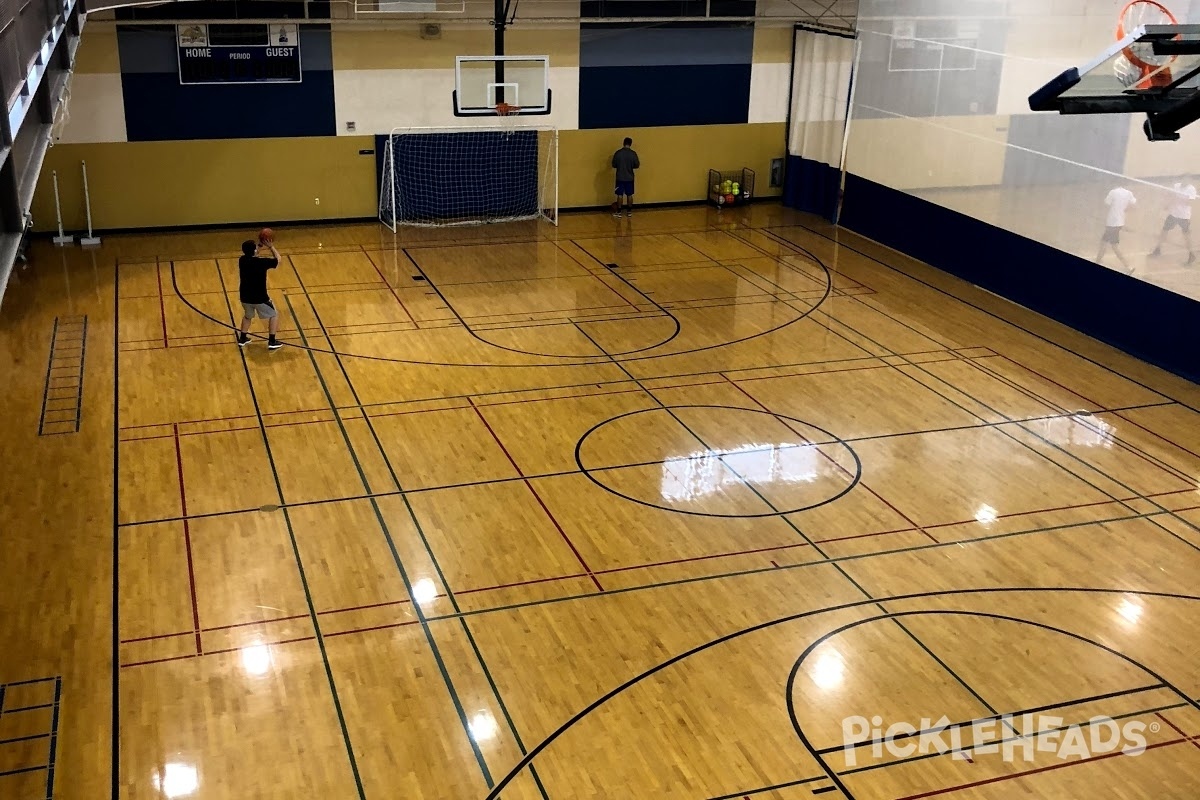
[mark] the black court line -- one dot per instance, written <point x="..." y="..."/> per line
<point x="115" y="742"/>
<point x="54" y="738"/>
<point x="596" y="360"/>
<point x="430" y="640"/>
<point x="887" y="740"/>
<point x="1069" y="456"/>
<point x="769" y="230"/>
<point x="1006" y="740"/>
<point x="589" y="357"/>
<point x="999" y="591"/>
<point x="720" y="456"/>
<point x="1084" y="419"/>
<point x="418" y="611"/>
<point x="772" y="788"/>
<point x="834" y="775"/>
<point x="1052" y="445"/>
<point x="791" y="523"/>
<point x="287" y="518"/>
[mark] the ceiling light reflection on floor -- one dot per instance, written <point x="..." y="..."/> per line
<point x="176" y="780"/>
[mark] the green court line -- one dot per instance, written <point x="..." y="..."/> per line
<point x="312" y="611"/>
<point x="429" y="552"/>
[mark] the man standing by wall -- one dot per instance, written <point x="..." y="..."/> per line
<point x="625" y="161"/>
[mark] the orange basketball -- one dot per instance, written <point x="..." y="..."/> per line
<point x="266" y="235"/>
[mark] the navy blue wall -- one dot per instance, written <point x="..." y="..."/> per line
<point x="159" y="108"/>
<point x="681" y="74"/>
<point x="1151" y="323"/>
<point x="811" y="186"/>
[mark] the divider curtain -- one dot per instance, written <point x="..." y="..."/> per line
<point x="822" y="73"/>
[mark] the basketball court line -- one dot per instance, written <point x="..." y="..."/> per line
<point x="312" y="611"/>
<point x="1052" y="445"/>
<point x="1000" y="591"/>
<point x="717" y="556"/>
<point x="792" y="524"/>
<point x="421" y="617"/>
<point x="596" y="359"/>
<point x="1041" y="338"/>
<point x="336" y="354"/>
<point x="602" y="468"/>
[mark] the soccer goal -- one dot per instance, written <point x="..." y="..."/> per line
<point x="469" y="175"/>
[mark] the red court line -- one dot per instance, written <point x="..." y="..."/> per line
<point x="1036" y="771"/>
<point x="833" y="461"/>
<point x="1046" y="510"/>
<point x="1177" y="729"/>
<point x="691" y="559"/>
<point x="538" y="497"/>
<point x="374" y="628"/>
<point x="1126" y="446"/>
<point x="391" y="288"/>
<point x="1067" y="389"/>
<point x="187" y="543"/>
<point x="370" y="606"/>
<point x="517" y="584"/>
<point x="216" y="652"/>
<point x="1122" y="415"/>
<point x="216" y="628"/>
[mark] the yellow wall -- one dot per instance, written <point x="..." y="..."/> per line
<point x="164" y="184"/>
<point x="169" y="184"/>
<point x="675" y="161"/>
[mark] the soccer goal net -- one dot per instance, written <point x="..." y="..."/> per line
<point x="468" y="176"/>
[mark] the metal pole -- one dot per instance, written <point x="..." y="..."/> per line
<point x="87" y="201"/>
<point x="501" y="12"/>
<point x="854" y="67"/>
<point x="60" y="239"/>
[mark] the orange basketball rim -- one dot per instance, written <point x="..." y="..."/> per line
<point x="1153" y="67"/>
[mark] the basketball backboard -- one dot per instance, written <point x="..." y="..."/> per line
<point x="1154" y="69"/>
<point x="483" y="83"/>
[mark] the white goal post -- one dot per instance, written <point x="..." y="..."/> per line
<point x="469" y="175"/>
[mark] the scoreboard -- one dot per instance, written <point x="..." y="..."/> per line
<point x="239" y="53"/>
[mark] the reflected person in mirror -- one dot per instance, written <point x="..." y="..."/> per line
<point x="1179" y="215"/>
<point x="1118" y="201"/>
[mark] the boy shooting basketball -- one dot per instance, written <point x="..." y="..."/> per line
<point x="1179" y="215"/>
<point x="1118" y="201"/>
<point x="625" y="161"/>
<point x="252" y="274"/>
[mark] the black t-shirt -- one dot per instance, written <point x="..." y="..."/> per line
<point x="253" y="274"/>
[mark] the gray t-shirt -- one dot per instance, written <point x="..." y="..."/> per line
<point x="625" y="161"/>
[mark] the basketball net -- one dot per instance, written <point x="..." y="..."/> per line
<point x="509" y="116"/>
<point x="1138" y="66"/>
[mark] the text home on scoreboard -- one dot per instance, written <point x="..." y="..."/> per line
<point x="233" y="53"/>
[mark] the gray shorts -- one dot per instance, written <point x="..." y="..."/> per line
<point x="263" y="310"/>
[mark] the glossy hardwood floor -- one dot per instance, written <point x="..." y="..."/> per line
<point x="679" y="506"/>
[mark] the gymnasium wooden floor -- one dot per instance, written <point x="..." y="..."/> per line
<point x="644" y="508"/>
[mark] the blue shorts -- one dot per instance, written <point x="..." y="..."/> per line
<point x="624" y="188"/>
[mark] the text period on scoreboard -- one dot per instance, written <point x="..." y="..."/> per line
<point x="239" y="53"/>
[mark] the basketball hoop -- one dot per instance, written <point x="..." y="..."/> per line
<point x="508" y="114"/>
<point x="1138" y="66"/>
